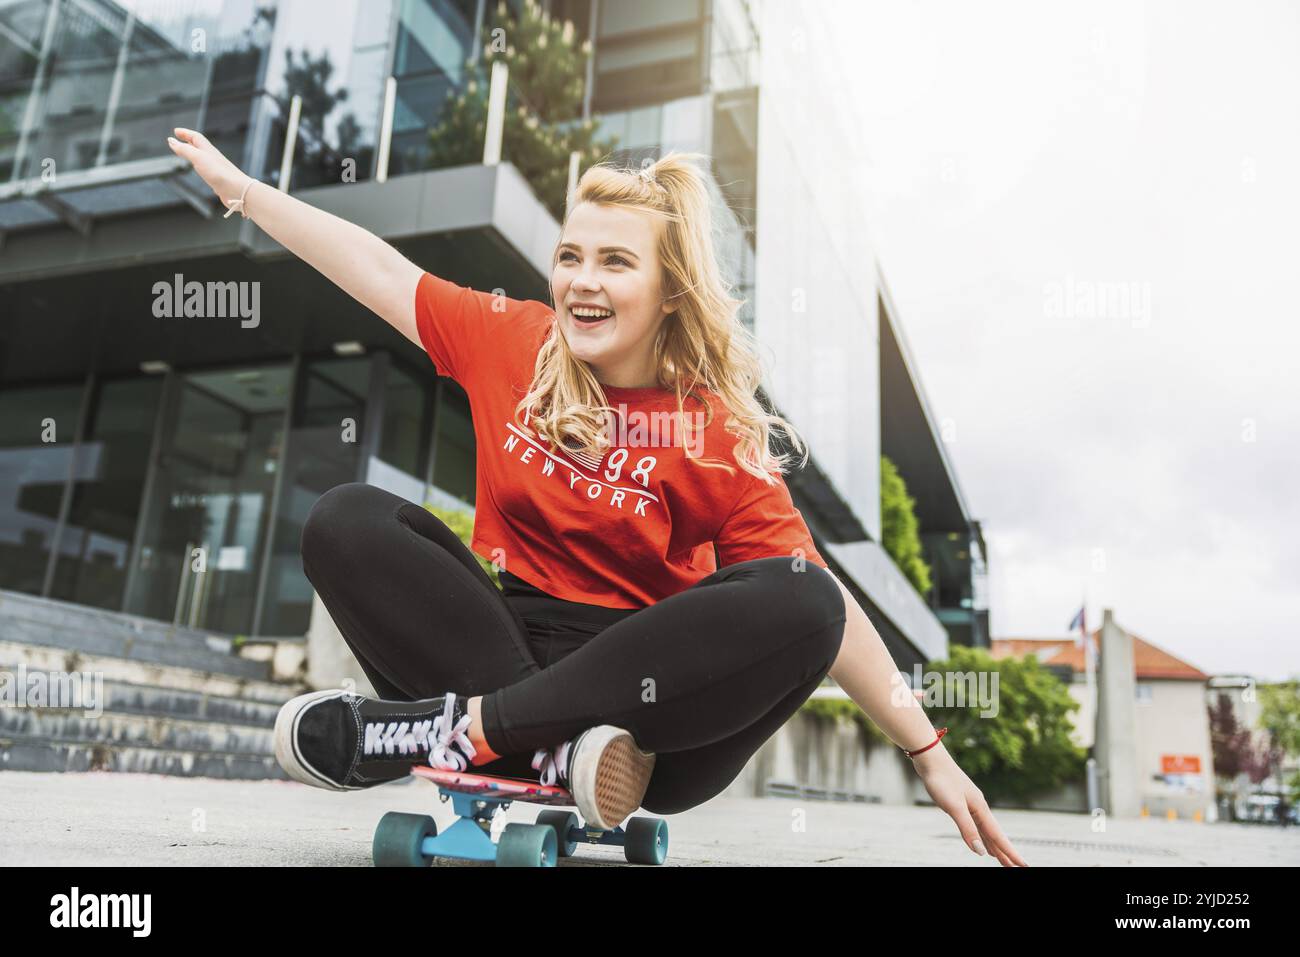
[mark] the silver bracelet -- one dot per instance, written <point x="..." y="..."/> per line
<point x="237" y="205"/>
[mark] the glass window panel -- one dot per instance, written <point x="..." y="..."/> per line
<point x="324" y="450"/>
<point x="22" y="28"/>
<point x="95" y="547"/>
<point x="33" y="473"/>
<point x="163" y="75"/>
<point x="121" y="75"/>
<point x="72" y="106"/>
<point x="213" y="488"/>
<point x="433" y="36"/>
<point x="318" y="55"/>
<point x="408" y="410"/>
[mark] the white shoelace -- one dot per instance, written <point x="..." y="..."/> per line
<point x="437" y="737"/>
<point x="552" y="762"/>
<point x="446" y="735"/>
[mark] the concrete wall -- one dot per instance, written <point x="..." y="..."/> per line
<point x="1169" y="717"/>
<point x="1174" y="721"/>
<point x="813" y="753"/>
<point x="1117" y="721"/>
<point x="1083" y="730"/>
<point x="330" y="662"/>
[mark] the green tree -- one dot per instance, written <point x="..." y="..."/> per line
<point x="543" y="121"/>
<point x="1022" y="750"/>
<point x="1279" y="715"/>
<point x="901" y="531"/>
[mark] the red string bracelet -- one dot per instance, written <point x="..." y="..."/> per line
<point x="912" y="754"/>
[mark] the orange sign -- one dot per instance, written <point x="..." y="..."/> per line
<point x="1180" y="764"/>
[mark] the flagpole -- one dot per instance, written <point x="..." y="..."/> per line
<point x="1089" y="665"/>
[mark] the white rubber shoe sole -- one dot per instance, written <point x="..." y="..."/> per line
<point x="286" y="751"/>
<point x="609" y="775"/>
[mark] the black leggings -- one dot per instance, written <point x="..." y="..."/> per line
<point x="701" y="678"/>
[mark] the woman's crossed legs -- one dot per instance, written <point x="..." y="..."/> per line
<point x="702" y="678"/>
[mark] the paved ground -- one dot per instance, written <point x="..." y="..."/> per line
<point x="99" y="818"/>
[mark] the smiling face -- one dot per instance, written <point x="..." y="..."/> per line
<point x="609" y="260"/>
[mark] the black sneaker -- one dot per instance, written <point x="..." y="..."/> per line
<point x="603" y="769"/>
<point x="345" y="742"/>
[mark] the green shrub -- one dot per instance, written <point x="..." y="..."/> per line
<point x="834" y="710"/>
<point x="900" y="529"/>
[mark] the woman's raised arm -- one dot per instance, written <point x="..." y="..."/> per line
<point x="360" y="263"/>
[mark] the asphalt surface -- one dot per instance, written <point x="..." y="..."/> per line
<point x="104" y="818"/>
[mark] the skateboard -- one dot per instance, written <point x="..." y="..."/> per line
<point x="412" y="840"/>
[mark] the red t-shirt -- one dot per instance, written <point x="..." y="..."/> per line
<point x="624" y="532"/>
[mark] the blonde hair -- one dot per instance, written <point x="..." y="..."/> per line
<point x="702" y="343"/>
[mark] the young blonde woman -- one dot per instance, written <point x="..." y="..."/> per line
<point x="619" y="441"/>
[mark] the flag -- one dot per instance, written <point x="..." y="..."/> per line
<point x="1079" y="621"/>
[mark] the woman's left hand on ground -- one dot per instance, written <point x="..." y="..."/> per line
<point x="953" y="791"/>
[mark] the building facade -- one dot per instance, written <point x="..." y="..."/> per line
<point x="1161" y="726"/>
<point x="129" y="439"/>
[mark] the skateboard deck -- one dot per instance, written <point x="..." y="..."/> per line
<point x="413" y="840"/>
<point x="514" y="789"/>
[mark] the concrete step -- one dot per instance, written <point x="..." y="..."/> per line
<point x="134" y="648"/>
<point x="124" y="693"/>
<point x="162" y="703"/>
<point x="75" y="726"/>
<point x="84" y="618"/>
<point x="190" y="723"/>
<point x="21" y="753"/>
<point x="147" y="674"/>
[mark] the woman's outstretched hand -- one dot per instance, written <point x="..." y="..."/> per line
<point x="225" y="178"/>
<point x="956" y="794"/>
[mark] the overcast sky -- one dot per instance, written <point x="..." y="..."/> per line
<point x="1089" y="218"/>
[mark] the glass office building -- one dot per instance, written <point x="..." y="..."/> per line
<point x="129" y="439"/>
